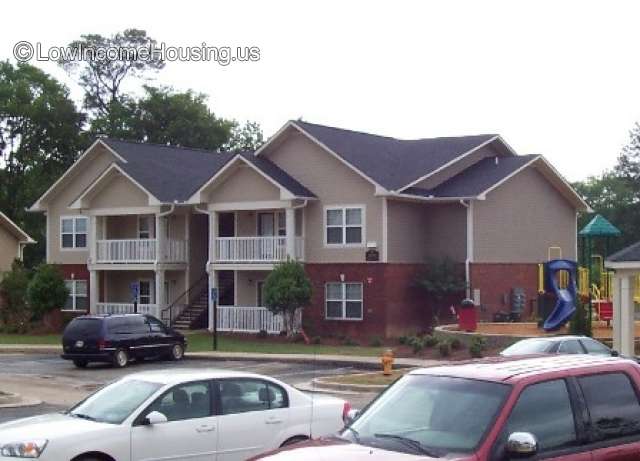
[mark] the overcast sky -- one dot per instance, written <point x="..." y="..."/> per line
<point x="558" y="78"/>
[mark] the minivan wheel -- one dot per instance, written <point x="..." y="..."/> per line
<point x="120" y="358"/>
<point x="177" y="352"/>
<point x="80" y="363"/>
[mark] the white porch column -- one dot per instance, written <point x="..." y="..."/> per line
<point x="160" y="301"/>
<point x="93" y="239"/>
<point x="617" y="313"/>
<point x="290" y="221"/>
<point x="212" y="284"/>
<point x="627" y="336"/>
<point x="213" y="231"/>
<point x="161" y="234"/>
<point x="94" y="291"/>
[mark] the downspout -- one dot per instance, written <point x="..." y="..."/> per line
<point x="168" y="212"/>
<point x="469" y="259"/>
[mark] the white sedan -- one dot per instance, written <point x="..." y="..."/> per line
<point x="196" y="415"/>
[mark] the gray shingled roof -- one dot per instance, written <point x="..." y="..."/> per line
<point x="175" y="173"/>
<point x="392" y="163"/>
<point x="628" y="254"/>
<point x="475" y="179"/>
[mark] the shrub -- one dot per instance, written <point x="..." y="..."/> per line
<point x="286" y="290"/>
<point x="477" y="347"/>
<point x="444" y="348"/>
<point x="416" y="343"/>
<point x="46" y="291"/>
<point x="13" y="288"/>
<point x="430" y="341"/>
<point x="402" y="340"/>
<point x="297" y="338"/>
<point x="456" y="344"/>
<point x="262" y="334"/>
<point x="376" y="341"/>
<point x="316" y="340"/>
<point x="350" y="342"/>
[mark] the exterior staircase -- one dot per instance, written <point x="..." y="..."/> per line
<point x="194" y="316"/>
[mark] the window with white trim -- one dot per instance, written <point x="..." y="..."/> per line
<point x="144" y="227"/>
<point x="77" y="300"/>
<point x="344" y="301"/>
<point x="73" y="232"/>
<point x="344" y="225"/>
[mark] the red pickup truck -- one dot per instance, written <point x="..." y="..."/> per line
<point x="562" y="407"/>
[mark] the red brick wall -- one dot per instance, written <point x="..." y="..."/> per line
<point x="495" y="281"/>
<point x="79" y="272"/>
<point x="392" y="304"/>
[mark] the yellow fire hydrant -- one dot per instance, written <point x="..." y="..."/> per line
<point x="387" y="362"/>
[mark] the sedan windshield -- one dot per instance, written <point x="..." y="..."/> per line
<point x="527" y="346"/>
<point x="115" y="402"/>
<point x="430" y="415"/>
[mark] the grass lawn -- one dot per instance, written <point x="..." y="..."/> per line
<point x="202" y="342"/>
<point x="368" y="378"/>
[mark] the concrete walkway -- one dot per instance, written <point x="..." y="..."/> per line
<point x="339" y="360"/>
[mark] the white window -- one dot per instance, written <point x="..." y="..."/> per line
<point x="344" y="225"/>
<point x="73" y="232"/>
<point x="343" y="301"/>
<point x="77" y="300"/>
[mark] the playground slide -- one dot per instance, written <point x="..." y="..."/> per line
<point x="566" y="304"/>
<point x="565" y="307"/>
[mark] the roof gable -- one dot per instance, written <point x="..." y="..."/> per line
<point x="14" y="229"/>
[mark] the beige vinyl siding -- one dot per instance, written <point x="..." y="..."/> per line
<point x="420" y="232"/>
<point x="246" y="223"/>
<point x="243" y="184"/>
<point x="521" y="219"/>
<point x="9" y="245"/>
<point x="247" y="289"/>
<point x="93" y="165"/>
<point x="118" y="284"/>
<point x="335" y="184"/>
<point x="458" y="167"/>
<point x="123" y="226"/>
<point x="119" y="192"/>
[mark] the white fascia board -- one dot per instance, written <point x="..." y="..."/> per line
<point x="25" y="238"/>
<point x="37" y="206"/>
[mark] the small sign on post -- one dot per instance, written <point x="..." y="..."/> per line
<point x="214" y="303"/>
<point x="135" y="291"/>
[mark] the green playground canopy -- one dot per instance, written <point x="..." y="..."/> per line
<point x="599" y="227"/>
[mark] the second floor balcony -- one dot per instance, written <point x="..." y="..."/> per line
<point x="255" y="249"/>
<point x="141" y="251"/>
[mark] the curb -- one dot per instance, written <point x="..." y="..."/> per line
<point x="321" y="384"/>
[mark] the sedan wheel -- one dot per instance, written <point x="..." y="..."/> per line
<point x="121" y="358"/>
<point x="177" y="352"/>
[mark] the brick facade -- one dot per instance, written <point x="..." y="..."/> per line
<point x="77" y="272"/>
<point x="393" y="305"/>
<point x="495" y="282"/>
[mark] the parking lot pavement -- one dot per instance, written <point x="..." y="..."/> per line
<point x="59" y="384"/>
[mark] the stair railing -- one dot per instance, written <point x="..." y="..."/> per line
<point x="184" y="299"/>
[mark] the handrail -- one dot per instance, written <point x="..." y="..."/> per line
<point x="186" y="293"/>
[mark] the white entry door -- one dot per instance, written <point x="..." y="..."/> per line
<point x="189" y="433"/>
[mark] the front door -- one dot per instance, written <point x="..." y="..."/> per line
<point x="190" y="430"/>
<point x="226" y="225"/>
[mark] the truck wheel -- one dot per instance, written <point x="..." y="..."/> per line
<point x="80" y="363"/>
<point x="177" y="352"/>
<point x="120" y="358"/>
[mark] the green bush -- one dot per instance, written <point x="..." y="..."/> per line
<point x="350" y="342"/>
<point x="403" y="340"/>
<point x="456" y="344"/>
<point x="477" y="347"/>
<point x="416" y="343"/>
<point x="376" y="341"/>
<point x="286" y="290"/>
<point x="316" y="340"/>
<point x="430" y="341"/>
<point x="46" y="290"/>
<point x="444" y="348"/>
<point x="14" y="290"/>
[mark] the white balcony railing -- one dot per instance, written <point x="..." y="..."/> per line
<point x="251" y="320"/>
<point x="127" y="308"/>
<point x="255" y="249"/>
<point x="140" y="251"/>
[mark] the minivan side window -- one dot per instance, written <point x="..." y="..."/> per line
<point x="544" y="410"/>
<point x="613" y="405"/>
<point x="571" y="346"/>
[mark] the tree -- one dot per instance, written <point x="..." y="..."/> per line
<point x="245" y="137"/>
<point x="101" y="74"/>
<point x="40" y="137"/>
<point x="46" y="291"/>
<point x="287" y="290"/>
<point x="441" y="279"/>
<point x="13" y="288"/>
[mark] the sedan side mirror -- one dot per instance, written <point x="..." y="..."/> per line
<point x="615" y="353"/>
<point x="522" y="445"/>
<point x="155" y="417"/>
<point x="351" y="416"/>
